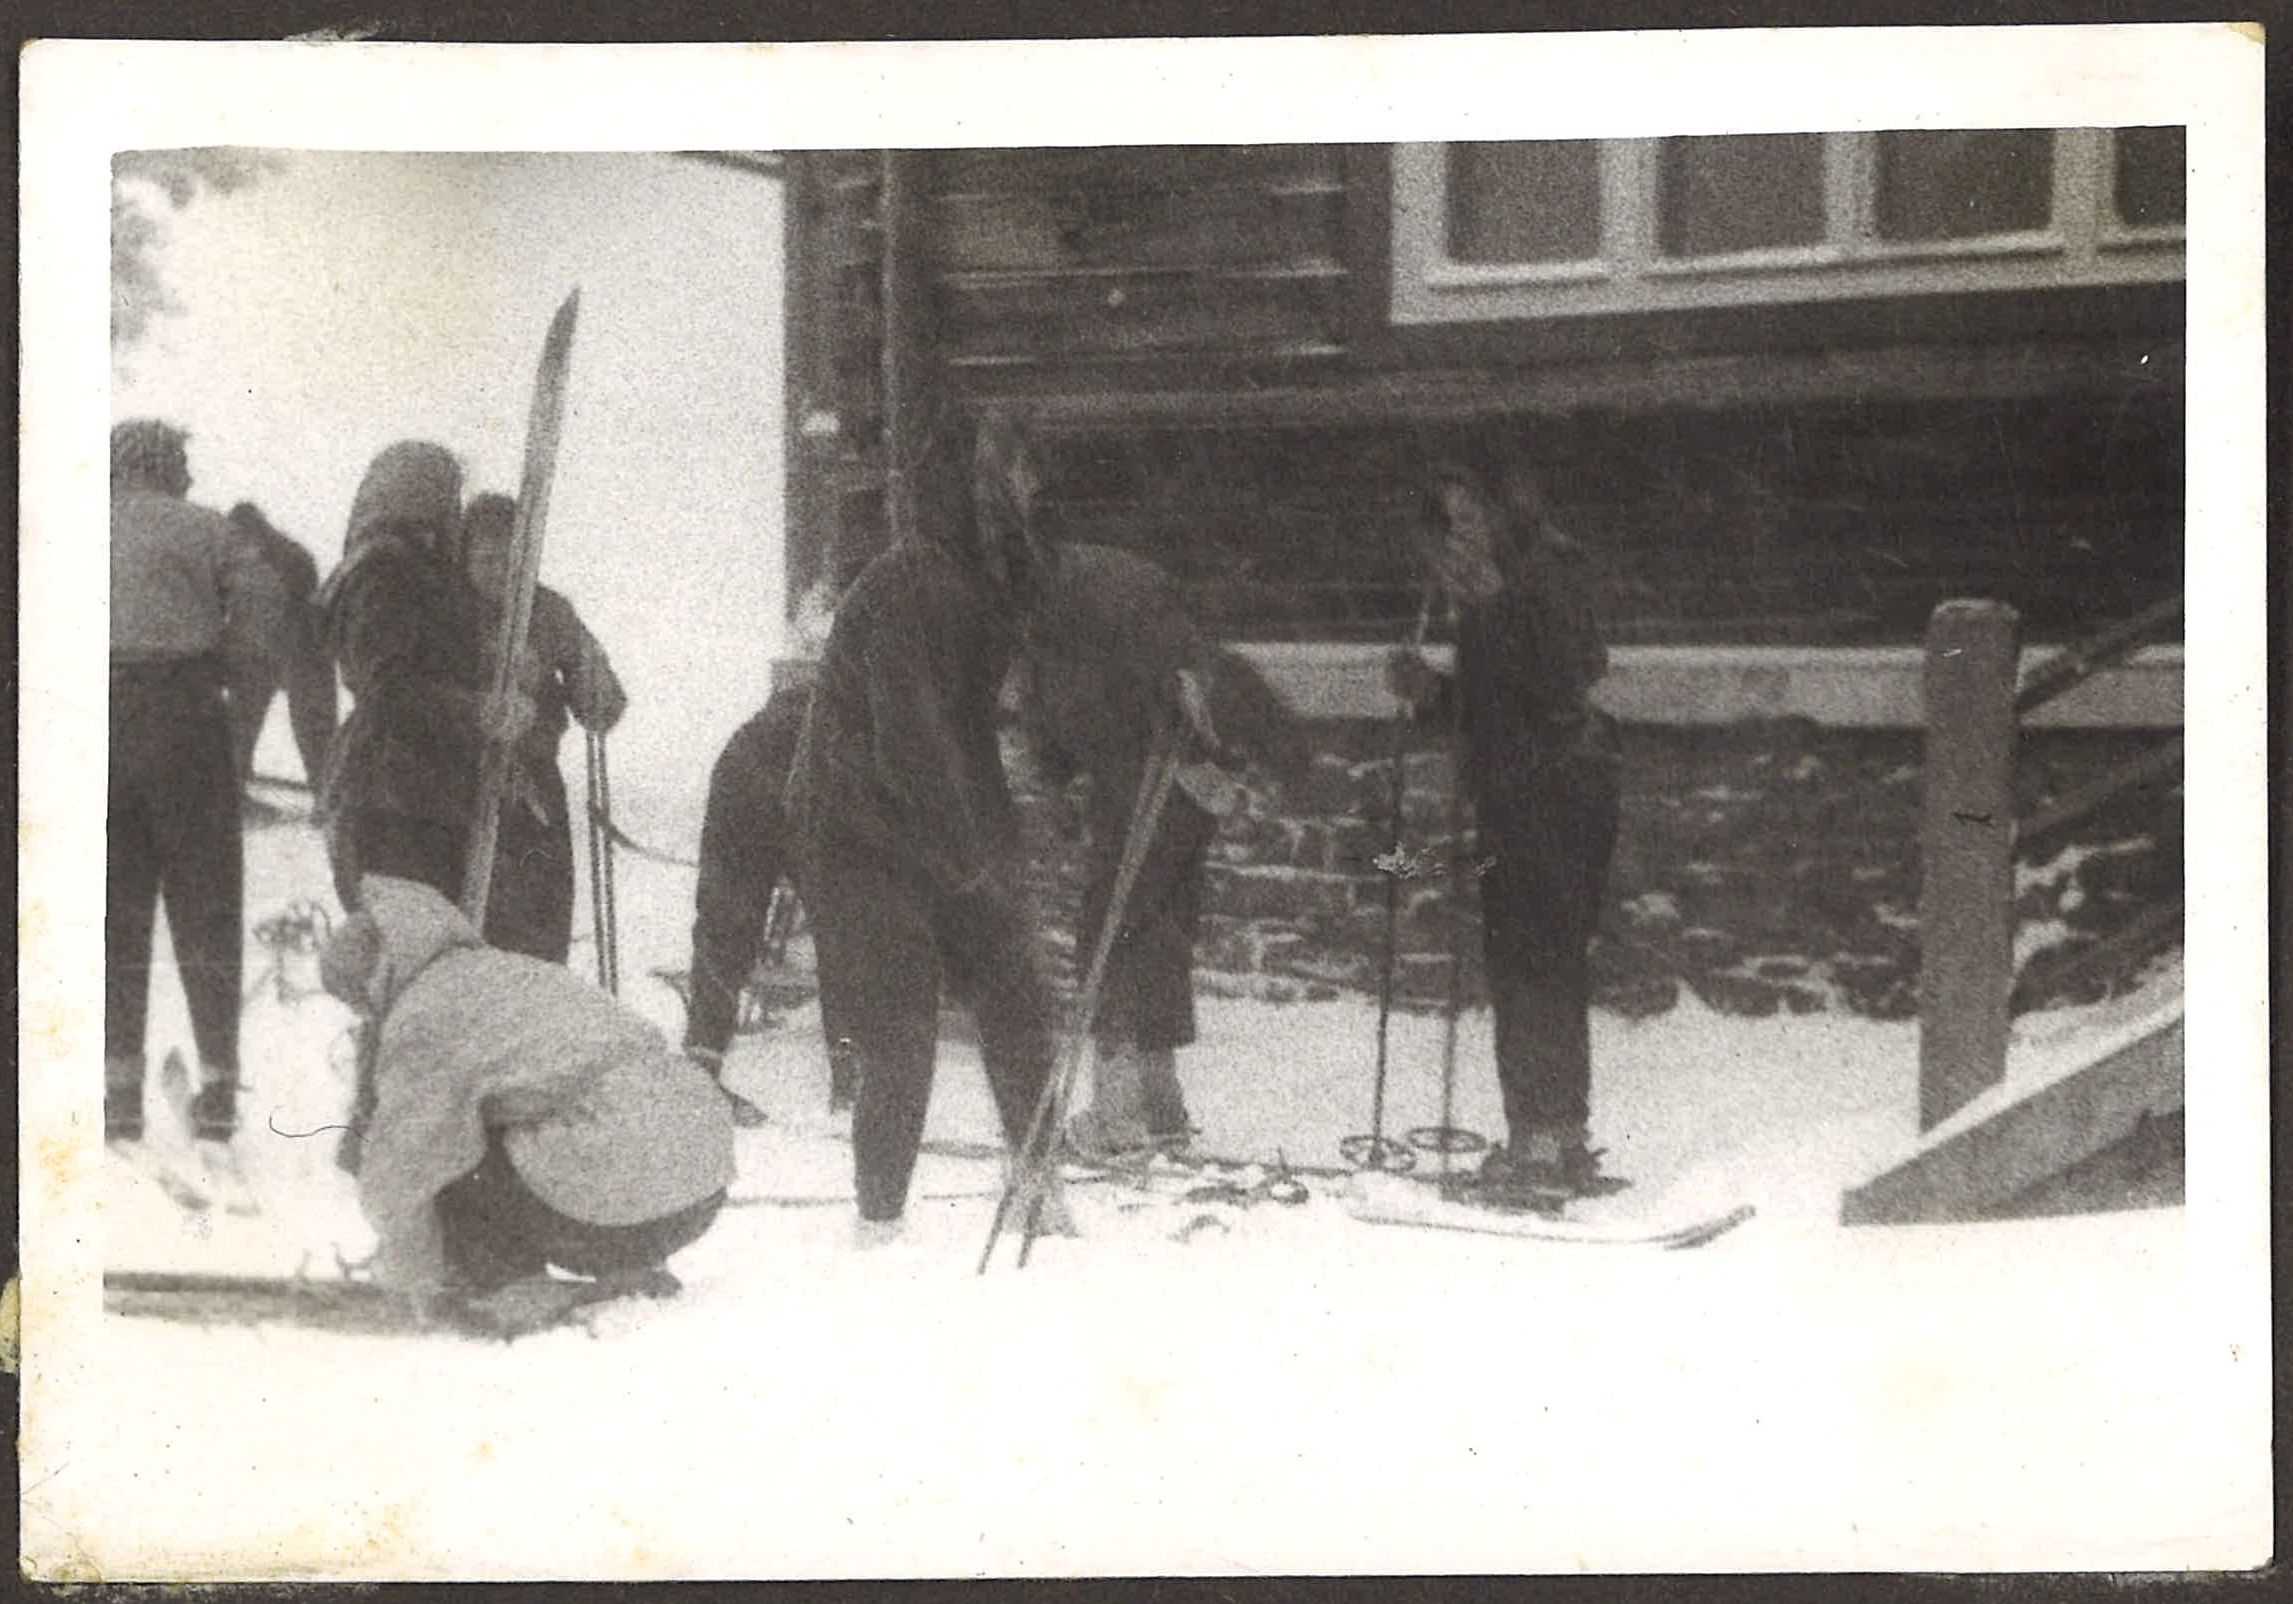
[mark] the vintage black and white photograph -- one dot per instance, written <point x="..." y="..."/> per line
<point x="1171" y="832"/>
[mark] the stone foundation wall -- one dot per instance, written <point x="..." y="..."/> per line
<point x="1764" y="867"/>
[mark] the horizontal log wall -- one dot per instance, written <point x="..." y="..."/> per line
<point x="1186" y="319"/>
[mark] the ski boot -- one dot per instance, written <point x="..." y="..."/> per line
<point x="1545" y="1168"/>
<point x="1104" y="1141"/>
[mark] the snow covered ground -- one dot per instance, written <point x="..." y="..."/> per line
<point x="1286" y="1391"/>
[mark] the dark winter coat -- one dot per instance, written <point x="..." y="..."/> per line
<point x="406" y="639"/>
<point x="1105" y="646"/>
<point x="746" y="851"/>
<point x="1527" y="660"/>
<point x="899" y="756"/>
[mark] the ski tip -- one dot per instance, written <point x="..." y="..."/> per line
<point x="561" y="325"/>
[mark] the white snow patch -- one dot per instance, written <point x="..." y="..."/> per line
<point x="1292" y="1392"/>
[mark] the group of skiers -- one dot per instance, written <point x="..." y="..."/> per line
<point x="509" y="1116"/>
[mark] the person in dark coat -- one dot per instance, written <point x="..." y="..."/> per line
<point x="747" y="850"/>
<point x="910" y="840"/>
<point x="406" y="634"/>
<point x="1541" y="766"/>
<point x="529" y="907"/>
<point x="296" y="660"/>
<point x="191" y="607"/>
<point x="1111" y="662"/>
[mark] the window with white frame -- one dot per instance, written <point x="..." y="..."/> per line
<point x="1555" y="228"/>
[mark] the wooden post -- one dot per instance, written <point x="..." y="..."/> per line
<point x="1966" y="894"/>
<point x="902" y="368"/>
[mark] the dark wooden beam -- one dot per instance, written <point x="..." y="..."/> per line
<point x="1080" y="397"/>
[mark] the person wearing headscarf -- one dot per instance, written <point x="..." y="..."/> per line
<point x="1112" y="663"/>
<point x="401" y="789"/>
<point x="296" y="658"/>
<point x="191" y="606"/>
<point x="522" y="1119"/>
<point x="1541" y="765"/>
<point x="564" y="671"/>
<point x="911" y="847"/>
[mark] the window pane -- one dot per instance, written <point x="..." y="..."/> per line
<point x="1964" y="185"/>
<point x="1740" y="192"/>
<point x="1533" y="201"/>
<point x="2151" y="187"/>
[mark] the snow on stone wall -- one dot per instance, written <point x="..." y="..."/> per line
<point x="1769" y="867"/>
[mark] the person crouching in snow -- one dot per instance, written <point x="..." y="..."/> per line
<point x="564" y="672"/>
<point x="1541" y="765"/>
<point x="910" y="842"/>
<point x="1111" y="662"/>
<point x="522" y="1118"/>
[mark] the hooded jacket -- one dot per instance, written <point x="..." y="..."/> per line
<point x="602" y="1120"/>
<point x="899" y="754"/>
<point x="405" y="637"/>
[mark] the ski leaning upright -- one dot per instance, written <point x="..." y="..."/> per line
<point x="542" y="430"/>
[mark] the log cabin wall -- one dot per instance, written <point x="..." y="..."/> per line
<point x="1203" y="331"/>
<point x="1203" y="338"/>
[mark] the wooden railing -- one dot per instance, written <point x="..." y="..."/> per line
<point x="1972" y="831"/>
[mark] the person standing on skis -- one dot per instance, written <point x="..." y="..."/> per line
<point x="191" y="608"/>
<point x="911" y="847"/>
<point x="1541" y="765"/>
<point x="1111" y="663"/>
<point x="566" y="675"/>
<point x="296" y="659"/>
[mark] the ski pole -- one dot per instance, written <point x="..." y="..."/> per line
<point x="1154" y="787"/>
<point x="1374" y="1151"/>
<point x="606" y="914"/>
<point x="596" y="864"/>
<point x="1037" y="1153"/>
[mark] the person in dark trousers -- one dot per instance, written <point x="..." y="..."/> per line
<point x="747" y="850"/>
<point x="296" y="660"/>
<point x="910" y="840"/>
<point x="529" y="907"/>
<point x="401" y="789"/>
<point x="1111" y="662"/>
<point x="1541" y="766"/>
<point x="191" y="606"/>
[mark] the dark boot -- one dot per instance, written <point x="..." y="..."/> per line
<point x="215" y="1106"/>
<point x="123" y="1099"/>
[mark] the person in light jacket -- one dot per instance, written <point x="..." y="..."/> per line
<point x="522" y="1118"/>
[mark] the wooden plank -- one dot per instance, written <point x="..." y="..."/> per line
<point x="1129" y="167"/>
<point x="1227" y="225"/>
<point x="1065" y="318"/>
<point x="1079" y="397"/>
<point x="2030" y="1140"/>
<point x="1966" y="891"/>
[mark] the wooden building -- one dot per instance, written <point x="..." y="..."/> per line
<point x="1793" y="389"/>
